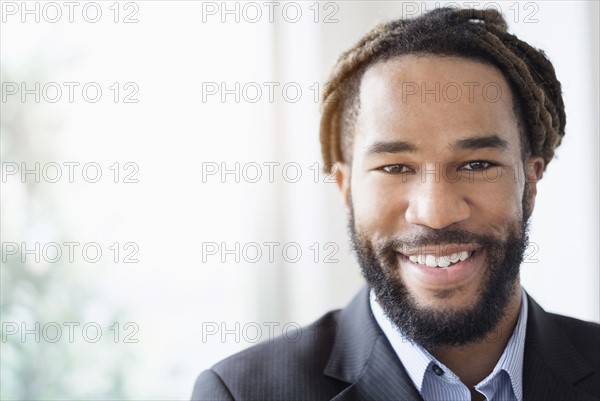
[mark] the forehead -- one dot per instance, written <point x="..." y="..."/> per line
<point x="424" y="97"/>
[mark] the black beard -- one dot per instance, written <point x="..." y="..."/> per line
<point x="427" y="326"/>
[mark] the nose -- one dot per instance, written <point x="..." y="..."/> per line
<point x="437" y="204"/>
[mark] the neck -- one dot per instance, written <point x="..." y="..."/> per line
<point x="474" y="362"/>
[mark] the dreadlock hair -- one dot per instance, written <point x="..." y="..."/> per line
<point x="474" y="34"/>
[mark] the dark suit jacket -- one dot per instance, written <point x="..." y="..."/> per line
<point x="345" y="356"/>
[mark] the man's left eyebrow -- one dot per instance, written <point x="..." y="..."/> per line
<point x="481" y="142"/>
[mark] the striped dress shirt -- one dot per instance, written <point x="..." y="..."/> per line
<point x="436" y="382"/>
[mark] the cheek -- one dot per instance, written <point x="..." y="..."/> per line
<point x="497" y="201"/>
<point x="379" y="208"/>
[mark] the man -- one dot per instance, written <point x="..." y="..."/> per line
<point x="438" y="130"/>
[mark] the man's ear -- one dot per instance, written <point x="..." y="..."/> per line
<point x="342" y="176"/>
<point x="534" y="169"/>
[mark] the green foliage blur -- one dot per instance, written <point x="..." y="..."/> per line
<point x="34" y="368"/>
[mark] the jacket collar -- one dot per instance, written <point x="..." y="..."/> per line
<point x="363" y="356"/>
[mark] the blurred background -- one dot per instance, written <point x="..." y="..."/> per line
<point x="162" y="201"/>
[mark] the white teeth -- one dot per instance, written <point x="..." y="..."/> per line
<point x="442" y="261"/>
<point x="431" y="261"/>
<point x="455" y="257"/>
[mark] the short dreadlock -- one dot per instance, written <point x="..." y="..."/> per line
<point x="474" y="34"/>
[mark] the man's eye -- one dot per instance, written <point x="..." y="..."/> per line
<point x="396" y="169"/>
<point x="478" y="165"/>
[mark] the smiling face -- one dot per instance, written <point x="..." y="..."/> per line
<point x="437" y="195"/>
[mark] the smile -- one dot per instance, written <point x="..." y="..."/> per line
<point x="444" y="268"/>
<point x="441" y="261"/>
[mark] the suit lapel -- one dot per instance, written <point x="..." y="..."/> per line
<point x="551" y="365"/>
<point x="363" y="356"/>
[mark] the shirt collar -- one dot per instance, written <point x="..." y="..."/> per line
<point x="416" y="359"/>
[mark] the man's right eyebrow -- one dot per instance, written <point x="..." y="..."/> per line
<point x="390" y="147"/>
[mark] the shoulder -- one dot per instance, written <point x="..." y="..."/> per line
<point x="308" y="347"/>
<point x="562" y="357"/>
<point x="563" y="335"/>
<point x="583" y="335"/>
<point x="280" y="368"/>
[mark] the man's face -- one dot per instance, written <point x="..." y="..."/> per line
<point x="437" y="197"/>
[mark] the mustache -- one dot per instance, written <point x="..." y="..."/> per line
<point x="433" y="240"/>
